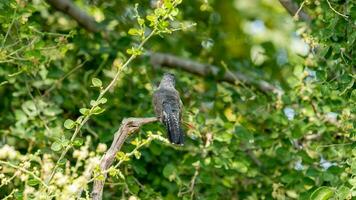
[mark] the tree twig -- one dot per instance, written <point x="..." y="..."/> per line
<point x="192" y="183"/>
<point x="79" y="126"/>
<point x="167" y="60"/>
<point x="128" y="126"/>
<point x="171" y="61"/>
<point x="294" y="9"/>
<point x="333" y="9"/>
<point x="57" y="82"/>
<point x="253" y="157"/>
<point x="68" y="7"/>
<point x="24" y="171"/>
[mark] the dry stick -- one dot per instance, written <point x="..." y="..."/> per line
<point x="293" y="9"/>
<point x="128" y="126"/>
<point x="168" y="60"/>
<point x="68" y="7"/>
<point x="127" y="155"/>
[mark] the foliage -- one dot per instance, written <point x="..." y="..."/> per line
<point x="64" y="92"/>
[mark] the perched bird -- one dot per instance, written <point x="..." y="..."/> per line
<point x="168" y="108"/>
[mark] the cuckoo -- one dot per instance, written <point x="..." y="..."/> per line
<point x="168" y="108"/>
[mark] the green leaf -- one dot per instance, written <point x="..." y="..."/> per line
<point x="65" y="141"/>
<point x="103" y="100"/>
<point x="239" y="166"/>
<point x="353" y="166"/>
<point x="113" y="172"/>
<point x="140" y="21"/>
<point x="343" y="192"/>
<point x="151" y="18"/>
<point x="97" y="110"/>
<point x="18" y="195"/>
<point x="52" y="111"/>
<point x="129" y="51"/>
<point x="30" y="108"/>
<point x="322" y="193"/>
<point x="120" y="155"/>
<point x="134" y="31"/>
<point x="62" y="161"/>
<point x="69" y="124"/>
<point x="100" y="178"/>
<point x="33" y="182"/>
<point x="229" y="114"/>
<point x="94" y="103"/>
<point x="134" y="51"/>
<point x="137" y="154"/>
<point x="78" y="142"/>
<point x="96" y="82"/>
<point x="169" y="170"/>
<point x="84" y="111"/>
<point x="56" y="146"/>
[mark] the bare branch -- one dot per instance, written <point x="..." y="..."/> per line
<point x="128" y="126"/>
<point x="294" y="9"/>
<point x="171" y="61"/>
<point x="253" y="157"/>
<point x="167" y="60"/>
<point x="68" y="7"/>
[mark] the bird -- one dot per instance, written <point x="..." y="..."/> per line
<point x="168" y="108"/>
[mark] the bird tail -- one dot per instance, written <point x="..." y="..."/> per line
<point x="173" y="125"/>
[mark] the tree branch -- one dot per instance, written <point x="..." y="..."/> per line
<point x="167" y="60"/>
<point x="294" y="9"/>
<point x="68" y="7"/>
<point x="171" y="61"/>
<point x="89" y="23"/>
<point x="128" y="126"/>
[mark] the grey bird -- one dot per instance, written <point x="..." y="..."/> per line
<point x="168" y="108"/>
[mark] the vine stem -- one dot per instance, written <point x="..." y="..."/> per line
<point x="25" y="171"/>
<point x="101" y="95"/>
<point x="337" y="12"/>
<point x="296" y="15"/>
<point x="128" y="155"/>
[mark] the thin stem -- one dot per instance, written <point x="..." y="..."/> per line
<point x="132" y="153"/>
<point x="10" y="195"/>
<point x="296" y="15"/>
<point x="23" y="47"/>
<point x="8" y="180"/>
<point x="333" y="9"/>
<point x="192" y="183"/>
<point x="54" y="85"/>
<point x="86" y="118"/>
<point x="133" y="56"/>
<point x="37" y="108"/>
<point x="237" y="80"/>
<point x="10" y="27"/>
<point x="121" y="161"/>
<point x="48" y="33"/>
<point x="25" y="171"/>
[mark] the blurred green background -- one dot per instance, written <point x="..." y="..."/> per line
<point x="241" y="142"/>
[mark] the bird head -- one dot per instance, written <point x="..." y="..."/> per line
<point x="168" y="80"/>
